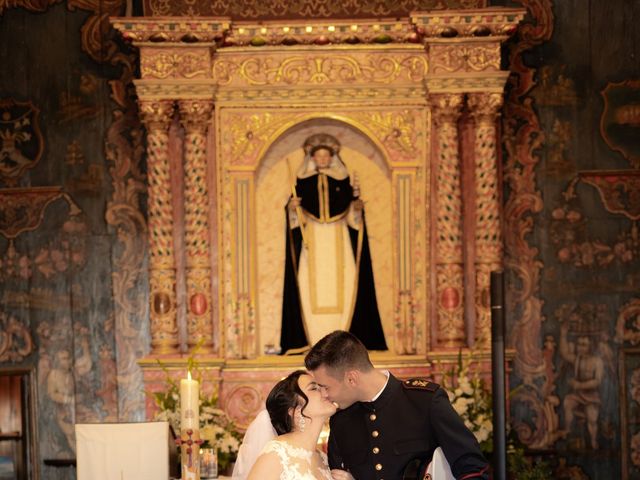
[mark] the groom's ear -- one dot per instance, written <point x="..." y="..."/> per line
<point x="352" y="377"/>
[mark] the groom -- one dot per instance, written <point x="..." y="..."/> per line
<point x="384" y="424"/>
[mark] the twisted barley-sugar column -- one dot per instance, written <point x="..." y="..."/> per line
<point x="445" y="111"/>
<point x="156" y="116"/>
<point x="195" y="116"/>
<point x="484" y="108"/>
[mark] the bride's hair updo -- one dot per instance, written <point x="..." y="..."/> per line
<point x="283" y="399"/>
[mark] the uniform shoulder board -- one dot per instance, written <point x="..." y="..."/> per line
<point x="420" y="384"/>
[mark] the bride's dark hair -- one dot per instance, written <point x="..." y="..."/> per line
<point x="283" y="398"/>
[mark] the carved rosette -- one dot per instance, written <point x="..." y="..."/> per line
<point x="162" y="275"/>
<point x="449" y="258"/>
<point x="484" y="108"/>
<point x="195" y="116"/>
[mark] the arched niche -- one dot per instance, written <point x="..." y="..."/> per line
<point x="273" y="180"/>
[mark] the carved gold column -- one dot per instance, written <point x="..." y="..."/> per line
<point x="484" y="109"/>
<point x="156" y="116"/>
<point x="195" y="116"/>
<point x="445" y="111"/>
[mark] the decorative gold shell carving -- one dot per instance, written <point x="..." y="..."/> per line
<point x="328" y="69"/>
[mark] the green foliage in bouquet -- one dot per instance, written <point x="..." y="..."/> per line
<point x="216" y="428"/>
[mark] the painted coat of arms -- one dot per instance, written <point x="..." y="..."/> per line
<point x="620" y="121"/>
<point x="21" y="142"/>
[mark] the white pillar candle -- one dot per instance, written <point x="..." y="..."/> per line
<point x="189" y="404"/>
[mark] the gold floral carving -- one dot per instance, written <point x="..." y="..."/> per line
<point x="398" y="131"/>
<point x="454" y="57"/>
<point x="321" y="69"/>
<point x="157" y="115"/>
<point x="195" y="116"/>
<point x="245" y="134"/>
<point x="446" y="108"/>
<point x="485" y="107"/>
<point x="175" y="64"/>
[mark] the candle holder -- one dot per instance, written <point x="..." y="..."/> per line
<point x="190" y="454"/>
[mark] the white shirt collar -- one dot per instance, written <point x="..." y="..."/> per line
<point x="386" y="372"/>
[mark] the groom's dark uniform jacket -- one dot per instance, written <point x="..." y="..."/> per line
<point x="408" y="421"/>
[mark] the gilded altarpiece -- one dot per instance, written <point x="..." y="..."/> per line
<point x="391" y="92"/>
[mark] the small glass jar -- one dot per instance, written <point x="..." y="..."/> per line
<point x="208" y="463"/>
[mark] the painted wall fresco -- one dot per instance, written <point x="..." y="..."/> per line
<point x="571" y="142"/>
<point x="72" y="253"/>
<point x="72" y="226"/>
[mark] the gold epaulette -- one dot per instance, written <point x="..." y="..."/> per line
<point x="420" y="384"/>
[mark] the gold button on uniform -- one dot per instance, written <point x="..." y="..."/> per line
<point x="375" y="433"/>
<point x="376" y="450"/>
<point x="372" y="417"/>
<point x="378" y="466"/>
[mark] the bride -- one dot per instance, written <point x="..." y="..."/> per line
<point x="298" y="410"/>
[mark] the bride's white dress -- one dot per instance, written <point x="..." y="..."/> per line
<point x="297" y="463"/>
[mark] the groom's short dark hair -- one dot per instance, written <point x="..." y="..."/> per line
<point x="338" y="351"/>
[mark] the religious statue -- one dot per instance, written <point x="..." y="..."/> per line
<point x="328" y="281"/>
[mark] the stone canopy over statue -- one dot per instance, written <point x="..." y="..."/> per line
<point x="328" y="281"/>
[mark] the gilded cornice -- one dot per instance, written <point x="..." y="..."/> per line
<point x="322" y="32"/>
<point x="484" y="22"/>
<point x="142" y="30"/>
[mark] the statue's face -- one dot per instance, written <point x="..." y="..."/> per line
<point x="322" y="158"/>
